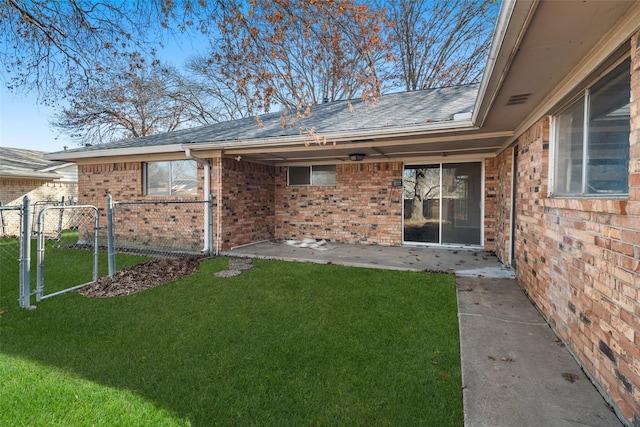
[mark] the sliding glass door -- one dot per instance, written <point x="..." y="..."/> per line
<point x="443" y="203"/>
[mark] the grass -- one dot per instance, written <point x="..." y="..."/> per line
<point x="282" y="344"/>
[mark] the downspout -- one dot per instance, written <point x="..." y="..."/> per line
<point x="207" y="196"/>
<point x="219" y="207"/>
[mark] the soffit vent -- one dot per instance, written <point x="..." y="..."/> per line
<point x="518" y="99"/>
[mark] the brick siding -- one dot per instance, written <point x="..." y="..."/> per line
<point x="248" y="207"/>
<point x="257" y="204"/>
<point x="363" y="207"/>
<point x="166" y="227"/>
<point x="491" y="183"/>
<point x="13" y="190"/>
<point x="579" y="260"/>
<point x="504" y="172"/>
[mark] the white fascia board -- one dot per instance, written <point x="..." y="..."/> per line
<point x="503" y="51"/>
<point x="127" y="151"/>
<point x="44" y="176"/>
<point x="56" y="167"/>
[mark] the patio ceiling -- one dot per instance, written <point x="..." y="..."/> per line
<point x="545" y="44"/>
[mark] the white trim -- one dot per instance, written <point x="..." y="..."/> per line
<point x="440" y="206"/>
<point x="553" y="147"/>
<point x="129" y="151"/>
<point x="585" y="140"/>
<point x="512" y="209"/>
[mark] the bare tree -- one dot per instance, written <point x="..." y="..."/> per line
<point x="50" y="46"/>
<point x="282" y="51"/>
<point x="439" y="43"/>
<point x="420" y="184"/>
<point x="131" y="103"/>
<point x="292" y="53"/>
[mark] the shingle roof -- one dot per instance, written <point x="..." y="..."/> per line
<point x="20" y="163"/>
<point x="392" y="111"/>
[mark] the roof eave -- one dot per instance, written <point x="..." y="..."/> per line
<point x="352" y="135"/>
<point x="511" y="26"/>
<point x="57" y="167"/>
<point x="43" y="176"/>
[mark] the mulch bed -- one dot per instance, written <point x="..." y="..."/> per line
<point x="140" y="277"/>
<point x="154" y="273"/>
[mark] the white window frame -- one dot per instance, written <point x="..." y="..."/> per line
<point x="171" y="192"/>
<point x="585" y="96"/>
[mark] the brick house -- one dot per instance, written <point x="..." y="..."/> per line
<point x="539" y="163"/>
<point x="27" y="173"/>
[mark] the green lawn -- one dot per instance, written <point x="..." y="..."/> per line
<point x="282" y="344"/>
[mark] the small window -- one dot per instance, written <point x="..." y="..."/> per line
<point x="312" y="175"/>
<point x="171" y="178"/>
<point x="592" y="139"/>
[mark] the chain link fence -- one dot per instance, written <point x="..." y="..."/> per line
<point x="158" y="229"/>
<point x="11" y="254"/>
<point x="65" y="241"/>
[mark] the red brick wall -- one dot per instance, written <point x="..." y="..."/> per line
<point x="490" y="203"/>
<point x="579" y="261"/>
<point x="165" y="227"/>
<point x="504" y="172"/>
<point x="363" y="207"/>
<point x="257" y="204"/>
<point x="13" y="190"/>
<point x="248" y="206"/>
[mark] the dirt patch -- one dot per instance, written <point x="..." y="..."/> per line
<point x="140" y="277"/>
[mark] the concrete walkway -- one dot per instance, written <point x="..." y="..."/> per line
<point x="515" y="371"/>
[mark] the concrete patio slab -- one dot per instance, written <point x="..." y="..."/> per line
<point x="473" y="262"/>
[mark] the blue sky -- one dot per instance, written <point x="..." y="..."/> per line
<point x="25" y="124"/>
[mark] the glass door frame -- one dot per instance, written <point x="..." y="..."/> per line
<point x="440" y="162"/>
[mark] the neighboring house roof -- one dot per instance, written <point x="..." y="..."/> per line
<point x="542" y="53"/>
<point x="31" y="164"/>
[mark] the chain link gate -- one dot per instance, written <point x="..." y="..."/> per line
<point x="61" y="229"/>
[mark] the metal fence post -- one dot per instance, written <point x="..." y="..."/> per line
<point x="60" y="220"/>
<point x="25" y="254"/>
<point x="40" y="252"/>
<point x="110" y="244"/>
<point x="3" y="230"/>
<point x="208" y="211"/>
